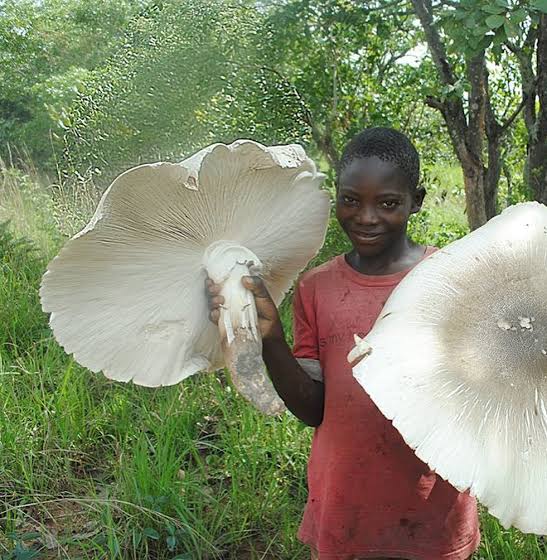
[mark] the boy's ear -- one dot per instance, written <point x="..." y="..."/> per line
<point x="418" y="199"/>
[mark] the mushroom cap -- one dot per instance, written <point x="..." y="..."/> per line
<point x="458" y="361"/>
<point x="126" y="294"/>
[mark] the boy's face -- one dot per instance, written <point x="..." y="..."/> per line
<point x="373" y="204"/>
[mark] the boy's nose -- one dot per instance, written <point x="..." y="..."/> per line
<point x="367" y="216"/>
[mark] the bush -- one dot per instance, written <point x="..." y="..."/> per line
<point x="22" y="323"/>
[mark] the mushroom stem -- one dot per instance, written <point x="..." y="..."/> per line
<point x="226" y="264"/>
<point x="248" y="373"/>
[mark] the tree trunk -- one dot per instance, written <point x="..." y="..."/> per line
<point x="473" y="181"/>
<point x="508" y="176"/>
<point x="474" y="171"/>
<point x="492" y="178"/>
<point x="325" y="143"/>
<point x="536" y="162"/>
<point x="467" y="133"/>
<point x="494" y="133"/>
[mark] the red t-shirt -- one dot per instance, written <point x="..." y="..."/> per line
<point x="369" y="495"/>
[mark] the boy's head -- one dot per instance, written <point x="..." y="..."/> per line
<point x="388" y="145"/>
<point x="377" y="189"/>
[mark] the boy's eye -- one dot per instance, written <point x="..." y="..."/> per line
<point x="349" y="200"/>
<point x="390" y="204"/>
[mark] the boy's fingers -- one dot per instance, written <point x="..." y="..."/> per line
<point x="214" y="316"/>
<point x="255" y="285"/>
<point x="361" y="349"/>
<point x="216" y="301"/>
<point x="211" y="288"/>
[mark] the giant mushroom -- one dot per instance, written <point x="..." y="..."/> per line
<point x="126" y="294"/>
<point x="457" y="360"/>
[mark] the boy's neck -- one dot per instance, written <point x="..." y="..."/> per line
<point x="398" y="257"/>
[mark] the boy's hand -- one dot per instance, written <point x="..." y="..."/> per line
<point x="214" y="300"/>
<point x="269" y="323"/>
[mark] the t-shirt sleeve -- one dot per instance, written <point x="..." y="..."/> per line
<point x="306" y="348"/>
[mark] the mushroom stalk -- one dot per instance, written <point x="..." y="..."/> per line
<point x="226" y="263"/>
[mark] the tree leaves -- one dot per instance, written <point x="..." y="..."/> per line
<point x="494" y="21"/>
<point x="186" y="76"/>
<point x="45" y="47"/>
<point x="540" y="5"/>
<point x="493" y="9"/>
<point x="353" y="66"/>
<point x="492" y="24"/>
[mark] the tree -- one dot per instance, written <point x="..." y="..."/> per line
<point x="185" y="75"/>
<point x="344" y="61"/>
<point x="534" y="96"/>
<point x="46" y="51"/>
<point x="476" y="130"/>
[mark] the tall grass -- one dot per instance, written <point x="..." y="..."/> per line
<point x="94" y="469"/>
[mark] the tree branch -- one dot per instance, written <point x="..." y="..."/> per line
<point x="435" y="103"/>
<point x="516" y="113"/>
<point x="452" y="107"/>
<point x="384" y="6"/>
<point x="476" y="74"/>
<point x="527" y="75"/>
<point x="383" y="68"/>
<point x="493" y="128"/>
<point x="438" y="52"/>
<point x="334" y="109"/>
<point x="541" y="75"/>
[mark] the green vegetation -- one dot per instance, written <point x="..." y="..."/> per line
<point x="96" y="469"/>
<point x="89" y="89"/>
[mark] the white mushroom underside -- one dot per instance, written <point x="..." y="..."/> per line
<point x="458" y="363"/>
<point x="126" y="294"/>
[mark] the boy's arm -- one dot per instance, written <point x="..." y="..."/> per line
<point x="303" y="396"/>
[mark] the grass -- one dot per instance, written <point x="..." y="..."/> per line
<point x="92" y="469"/>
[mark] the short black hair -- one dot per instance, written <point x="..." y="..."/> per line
<point x="386" y="144"/>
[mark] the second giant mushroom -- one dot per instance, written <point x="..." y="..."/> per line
<point x="457" y="360"/>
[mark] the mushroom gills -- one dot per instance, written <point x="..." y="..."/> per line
<point x="226" y="263"/>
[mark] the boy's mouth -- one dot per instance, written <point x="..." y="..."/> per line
<point x="366" y="237"/>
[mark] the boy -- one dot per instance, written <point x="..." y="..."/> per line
<point x="369" y="495"/>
